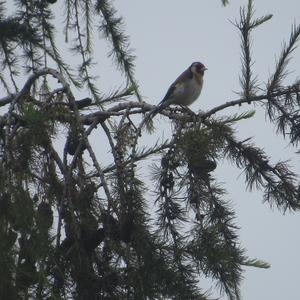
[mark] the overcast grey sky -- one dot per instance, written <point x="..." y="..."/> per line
<point x="168" y="35"/>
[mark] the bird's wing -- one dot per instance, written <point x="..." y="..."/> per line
<point x="178" y="84"/>
<point x="169" y="93"/>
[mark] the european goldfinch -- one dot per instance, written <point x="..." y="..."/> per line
<point x="187" y="87"/>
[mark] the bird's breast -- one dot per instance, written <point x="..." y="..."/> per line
<point x="189" y="92"/>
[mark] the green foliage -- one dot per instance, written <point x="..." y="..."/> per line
<point x="111" y="27"/>
<point x="71" y="227"/>
<point x="280" y="72"/>
<point x="239" y="117"/>
<point x="257" y="263"/>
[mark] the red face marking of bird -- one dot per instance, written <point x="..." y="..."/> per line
<point x="198" y="68"/>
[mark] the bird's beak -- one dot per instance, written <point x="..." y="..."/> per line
<point x="204" y="69"/>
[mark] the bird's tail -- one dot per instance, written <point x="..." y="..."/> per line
<point x="148" y="120"/>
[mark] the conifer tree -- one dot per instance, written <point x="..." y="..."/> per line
<point x="75" y="226"/>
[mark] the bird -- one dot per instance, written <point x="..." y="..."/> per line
<point x="183" y="91"/>
<point x="187" y="87"/>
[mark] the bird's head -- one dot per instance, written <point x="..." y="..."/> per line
<point x="197" y="68"/>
